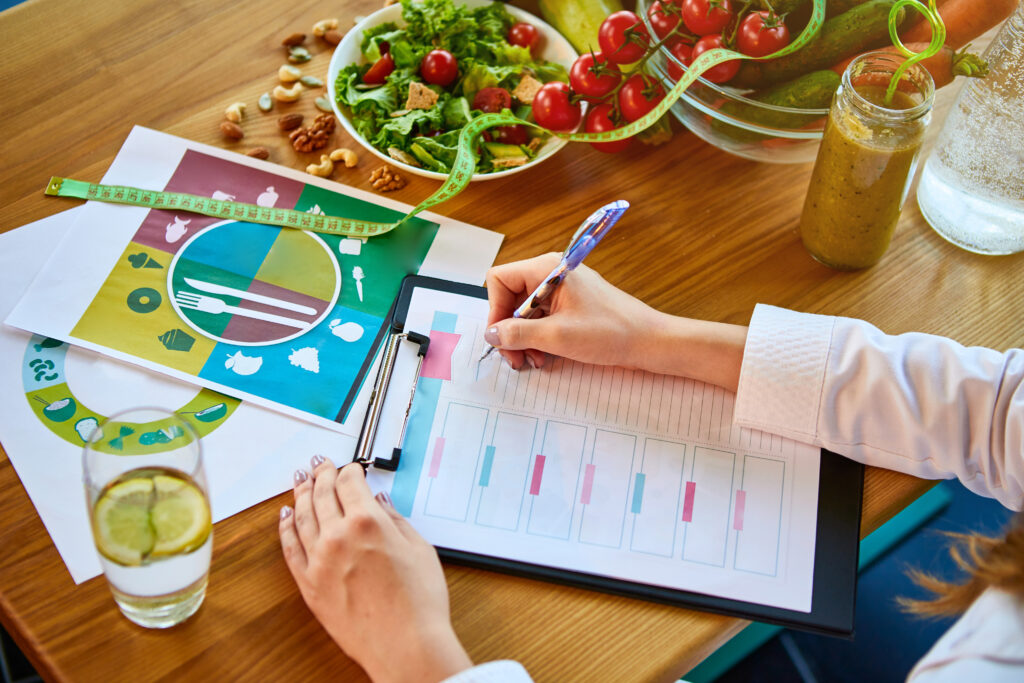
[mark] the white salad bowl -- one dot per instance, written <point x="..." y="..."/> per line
<point x="554" y="48"/>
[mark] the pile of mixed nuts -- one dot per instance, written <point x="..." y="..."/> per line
<point x="292" y="83"/>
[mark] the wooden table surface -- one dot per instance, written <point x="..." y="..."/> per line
<point x="709" y="236"/>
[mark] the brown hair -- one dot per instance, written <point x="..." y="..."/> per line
<point x="988" y="562"/>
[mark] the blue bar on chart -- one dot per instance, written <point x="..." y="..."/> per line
<point x="504" y="472"/>
<point x="757" y="544"/>
<point x="452" y="467"/>
<point x="605" y="490"/>
<point x="638" y="493"/>
<point x="708" y="531"/>
<point x="656" y="493"/>
<point x="556" y="475"/>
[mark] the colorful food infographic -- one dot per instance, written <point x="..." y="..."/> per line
<point x="287" y="318"/>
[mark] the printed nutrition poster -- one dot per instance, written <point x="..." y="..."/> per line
<point x="283" y="317"/>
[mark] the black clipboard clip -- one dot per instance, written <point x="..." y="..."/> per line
<point x="368" y="433"/>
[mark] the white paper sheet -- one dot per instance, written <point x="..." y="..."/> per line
<point x="114" y="284"/>
<point x="596" y="469"/>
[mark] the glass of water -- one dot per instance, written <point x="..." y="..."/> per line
<point x="150" y="513"/>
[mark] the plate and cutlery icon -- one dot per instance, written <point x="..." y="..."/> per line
<point x="214" y="305"/>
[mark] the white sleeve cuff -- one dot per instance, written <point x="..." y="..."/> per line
<point x="502" y="671"/>
<point x="783" y="370"/>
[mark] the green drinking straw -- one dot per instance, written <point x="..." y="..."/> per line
<point x="931" y="14"/>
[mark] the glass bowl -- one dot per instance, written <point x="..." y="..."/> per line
<point x="722" y="116"/>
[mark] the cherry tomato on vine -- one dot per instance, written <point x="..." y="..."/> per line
<point x="663" y="18"/>
<point x="523" y="35"/>
<point x="637" y="98"/>
<point x="553" y="109"/>
<point x="719" y="73"/>
<point x="615" y="44"/>
<point x="378" y="73"/>
<point x="705" y="17"/>
<point x="585" y="81"/>
<point x="599" y="121"/>
<point x="439" y="67"/>
<point x="492" y="100"/>
<point x="683" y="53"/>
<point x="761" y="33"/>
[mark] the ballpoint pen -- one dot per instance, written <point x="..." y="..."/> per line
<point x="586" y="238"/>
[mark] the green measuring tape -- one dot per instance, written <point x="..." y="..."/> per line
<point x="462" y="169"/>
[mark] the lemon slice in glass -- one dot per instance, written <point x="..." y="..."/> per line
<point x="121" y="517"/>
<point x="180" y="516"/>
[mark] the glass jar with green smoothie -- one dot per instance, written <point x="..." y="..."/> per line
<point x="866" y="162"/>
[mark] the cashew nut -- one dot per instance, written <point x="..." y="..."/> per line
<point x="346" y="155"/>
<point x="288" y="73"/>
<point x="235" y="112"/>
<point x="324" y="169"/>
<point x="283" y="94"/>
<point x="323" y="26"/>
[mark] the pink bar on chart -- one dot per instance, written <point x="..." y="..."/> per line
<point x="435" y="460"/>
<point x="691" y="486"/>
<point x="737" y="518"/>
<point x="538" y="472"/>
<point x="588" y="484"/>
<point x="438" y="362"/>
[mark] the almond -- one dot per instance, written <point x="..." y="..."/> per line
<point x="289" y="121"/>
<point x="333" y="37"/>
<point x="259" y="153"/>
<point x="294" y="40"/>
<point x="231" y="130"/>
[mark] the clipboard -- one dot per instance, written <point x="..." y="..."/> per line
<point x="837" y="530"/>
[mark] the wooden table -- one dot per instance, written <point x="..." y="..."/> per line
<point x="709" y="236"/>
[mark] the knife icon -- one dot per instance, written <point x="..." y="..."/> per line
<point x="249" y="296"/>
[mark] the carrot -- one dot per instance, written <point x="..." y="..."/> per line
<point x="943" y="66"/>
<point x="965" y="20"/>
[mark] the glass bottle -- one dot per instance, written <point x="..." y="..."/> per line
<point x="866" y="160"/>
<point x="972" y="186"/>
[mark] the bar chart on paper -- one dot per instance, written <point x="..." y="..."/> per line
<point x="604" y="470"/>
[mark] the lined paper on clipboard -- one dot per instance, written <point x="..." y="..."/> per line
<point x="596" y="470"/>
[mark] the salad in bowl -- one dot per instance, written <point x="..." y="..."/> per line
<point x="405" y="80"/>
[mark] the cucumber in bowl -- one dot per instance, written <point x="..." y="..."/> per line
<point x="407" y="105"/>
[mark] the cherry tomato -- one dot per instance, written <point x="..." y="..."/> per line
<point x="378" y="73"/>
<point x="552" y="108"/>
<point x="612" y="37"/>
<point x="492" y="100"/>
<point x="761" y="33"/>
<point x="510" y="135"/>
<point x="584" y="81"/>
<point x="683" y="53"/>
<point x="705" y="17"/>
<point x="662" y="18"/>
<point x="720" y="73"/>
<point x="439" y="67"/>
<point x="599" y="121"/>
<point x="636" y="97"/>
<point x="523" y="35"/>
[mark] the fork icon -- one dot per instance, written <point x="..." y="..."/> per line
<point x="211" y="304"/>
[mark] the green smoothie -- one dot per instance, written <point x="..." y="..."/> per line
<point x="859" y="182"/>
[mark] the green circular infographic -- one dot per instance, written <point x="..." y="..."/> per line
<point x="54" y="403"/>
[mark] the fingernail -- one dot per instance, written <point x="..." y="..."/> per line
<point x="300" y="476"/>
<point x="491" y="337"/>
<point x="317" y="460"/>
<point x="385" y="499"/>
<point x="286" y="512"/>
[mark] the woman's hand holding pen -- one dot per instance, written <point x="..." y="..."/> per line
<point x="585" y="319"/>
<point x="373" y="582"/>
<point x="589" y="320"/>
